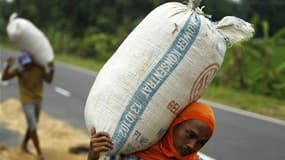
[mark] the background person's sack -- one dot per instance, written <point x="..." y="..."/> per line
<point x="165" y="63"/>
<point x="25" y="35"/>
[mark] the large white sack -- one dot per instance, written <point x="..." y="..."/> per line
<point x="25" y="35"/>
<point x="165" y="63"/>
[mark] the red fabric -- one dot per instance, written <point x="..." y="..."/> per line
<point x="164" y="149"/>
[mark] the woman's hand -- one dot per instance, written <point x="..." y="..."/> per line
<point x="99" y="142"/>
<point x="50" y="64"/>
<point x="10" y="61"/>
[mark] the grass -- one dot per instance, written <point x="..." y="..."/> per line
<point x="255" y="103"/>
<point x="268" y="106"/>
<point x="88" y="63"/>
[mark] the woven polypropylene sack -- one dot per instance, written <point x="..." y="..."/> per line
<point x="26" y="36"/>
<point x="165" y="63"/>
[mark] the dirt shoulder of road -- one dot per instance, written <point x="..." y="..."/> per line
<point x="56" y="137"/>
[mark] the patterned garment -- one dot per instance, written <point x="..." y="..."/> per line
<point x="121" y="157"/>
<point x="130" y="157"/>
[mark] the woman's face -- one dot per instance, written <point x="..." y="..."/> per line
<point x="190" y="136"/>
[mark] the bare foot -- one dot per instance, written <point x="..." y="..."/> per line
<point x="25" y="149"/>
<point x="41" y="157"/>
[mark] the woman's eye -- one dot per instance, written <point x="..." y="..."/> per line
<point x="190" y="134"/>
<point x="202" y="142"/>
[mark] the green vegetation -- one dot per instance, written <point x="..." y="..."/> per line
<point x="265" y="105"/>
<point x="257" y="66"/>
<point x="86" y="63"/>
<point x="95" y="28"/>
<point x="268" y="106"/>
<point x="88" y="34"/>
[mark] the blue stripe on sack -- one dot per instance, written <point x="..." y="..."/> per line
<point x="154" y="80"/>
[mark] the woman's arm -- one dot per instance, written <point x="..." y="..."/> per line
<point x="10" y="72"/>
<point x="99" y="142"/>
<point x="49" y="74"/>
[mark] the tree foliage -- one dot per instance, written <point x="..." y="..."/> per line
<point x="95" y="28"/>
<point x="257" y="65"/>
<point x="93" y="16"/>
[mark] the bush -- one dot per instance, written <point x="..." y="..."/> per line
<point x="256" y="67"/>
<point x="100" y="46"/>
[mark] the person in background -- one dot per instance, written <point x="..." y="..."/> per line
<point x="187" y="134"/>
<point x="31" y="78"/>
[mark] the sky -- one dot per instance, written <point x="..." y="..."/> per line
<point x="236" y="1"/>
<point x="9" y="1"/>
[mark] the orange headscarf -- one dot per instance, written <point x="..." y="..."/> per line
<point x="164" y="149"/>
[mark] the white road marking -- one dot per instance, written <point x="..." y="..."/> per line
<point x="245" y="113"/>
<point x="205" y="157"/>
<point x="62" y="91"/>
<point x="215" y="105"/>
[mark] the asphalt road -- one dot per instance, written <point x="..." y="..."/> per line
<point x="239" y="135"/>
